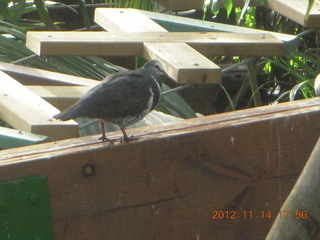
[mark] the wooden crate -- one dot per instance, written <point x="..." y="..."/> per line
<point x="167" y="184"/>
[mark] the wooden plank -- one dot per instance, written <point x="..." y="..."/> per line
<point x="60" y="97"/>
<point x="177" y="63"/>
<point x="239" y="161"/>
<point x="12" y="138"/>
<point x="119" y="20"/>
<point x="182" y="24"/>
<point x="81" y="44"/>
<point x="178" y="70"/>
<point x="25" y="111"/>
<point x="34" y="76"/>
<point x="103" y="43"/>
<point x="296" y="10"/>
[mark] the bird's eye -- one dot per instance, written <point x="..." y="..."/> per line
<point x="158" y="67"/>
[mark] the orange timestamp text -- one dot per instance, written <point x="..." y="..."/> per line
<point x="283" y="214"/>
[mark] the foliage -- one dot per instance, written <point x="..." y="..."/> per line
<point x="150" y="5"/>
<point x="279" y="78"/>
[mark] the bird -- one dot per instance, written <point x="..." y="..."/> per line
<point x="122" y="98"/>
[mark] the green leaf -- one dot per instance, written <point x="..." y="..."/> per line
<point x="4" y="10"/>
<point x="85" y="15"/>
<point x="19" y="35"/>
<point x="244" y="11"/>
<point x="283" y="95"/>
<point x="18" y="9"/>
<point x="295" y="90"/>
<point x="263" y="2"/>
<point x="215" y="7"/>
<point x="174" y="105"/>
<point x="309" y="8"/>
<point x="228" y="5"/>
<point x="232" y="104"/>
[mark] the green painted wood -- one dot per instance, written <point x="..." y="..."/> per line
<point x="25" y="209"/>
<point x="181" y="24"/>
<point x="11" y="138"/>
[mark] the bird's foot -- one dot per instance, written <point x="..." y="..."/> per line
<point x="105" y="139"/>
<point x="125" y="138"/>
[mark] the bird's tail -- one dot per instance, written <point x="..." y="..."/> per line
<point x="67" y="114"/>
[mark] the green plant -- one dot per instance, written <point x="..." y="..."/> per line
<point x="150" y="5"/>
<point x="278" y="78"/>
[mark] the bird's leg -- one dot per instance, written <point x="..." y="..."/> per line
<point x="103" y="137"/>
<point x="125" y="136"/>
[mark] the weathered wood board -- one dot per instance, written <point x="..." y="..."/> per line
<point x="104" y="43"/>
<point x="144" y="37"/>
<point x="293" y="9"/>
<point x="194" y="68"/>
<point x="167" y="184"/>
<point x="296" y="10"/>
<point x="26" y="111"/>
<point x="60" y="97"/>
<point x="35" y="76"/>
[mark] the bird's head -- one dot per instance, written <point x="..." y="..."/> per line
<point x="157" y="66"/>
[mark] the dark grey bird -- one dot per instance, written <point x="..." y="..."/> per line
<point x="122" y="98"/>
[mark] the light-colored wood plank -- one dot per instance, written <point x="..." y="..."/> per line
<point x="60" y="97"/>
<point x="103" y="43"/>
<point x="82" y="44"/>
<point x="120" y="20"/>
<point x="149" y="187"/>
<point x="177" y="63"/>
<point x="296" y="10"/>
<point x="26" y="111"/>
<point x="177" y="69"/>
<point x="28" y="75"/>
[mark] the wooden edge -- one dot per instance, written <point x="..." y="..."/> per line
<point x="80" y="44"/>
<point x="131" y="44"/>
<point x="60" y="97"/>
<point x="28" y="75"/>
<point x="166" y="130"/>
<point x="174" y="23"/>
<point x="123" y="20"/>
<point x="317" y="85"/>
<point x="296" y="10"/>
<point x="184" y="64"/>
<point x="12" y="138"/>
<point x="313" y="20"/>
<point x="298" y="217"/>
<point x="26" y="111"/>
<point x="197" y="165"/>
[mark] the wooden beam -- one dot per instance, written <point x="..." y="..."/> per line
<point x="209" y="72"/>
<point x="302" y="224"/>
<point x="149" y="187"/>
<point x="34" y="76"/>
<point x="12" y="138"/>
<point x="183" y="63"/>
<point x="60" y="97"/>
<point x="26" y="111"/>
<point x="182" y="24"/>
<point x="103" y="43"/>
<point x="296" y="10"/>
<point x="119" y="20"/>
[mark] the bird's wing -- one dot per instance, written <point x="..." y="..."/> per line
<point x="120" y="95"/>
